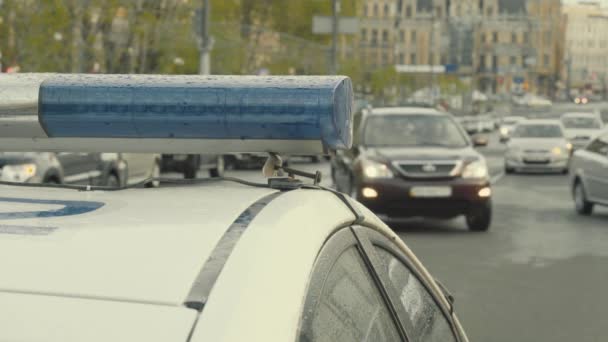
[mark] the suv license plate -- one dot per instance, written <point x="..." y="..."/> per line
<point x="431" y="191"/>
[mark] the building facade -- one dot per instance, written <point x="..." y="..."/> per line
<point x="586" y="46"/>
<point x="505" y="46"/>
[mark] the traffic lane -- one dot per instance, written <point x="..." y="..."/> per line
<point x="539" y="274"/>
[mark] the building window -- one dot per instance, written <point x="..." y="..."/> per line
<point x="513" y="60"/>
<point x="401" y="58"/>
<point x="591" y="44"/>
<point x="526" y="37"/>
<point x="413" y="40"/>
<point x="489" y="11"/>
<point x="408" y="11"/>
<point x="402" y="36"/>
<point x="413" y="59"/>
<point x="431" y="58"/>
<point x="384" y="58"/>
<point x="546" y="60"/>
<point x="483" y="37"/>
<point x="364" y="35"/>
<point x="547" y="37"/>
<point x="374" y="37"/>
<point x="385" y="36"/>
<point x="365" y="10"/>
<point x="482" y="62"/>
<point x="386" y="11"/>
<point x="375" y="10"/>
<point x="514" y="38"/>
<point x="495" y="37"/>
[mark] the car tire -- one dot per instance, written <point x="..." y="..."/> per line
<point x="565" y="171"/>
<point x="155" y="174"/>
<point x="192" y="167"/>
<point x="509" y="170"/>
<point x="218" y="170"/>
<point x="479" y="219"/>
<point x="315" y="159"/>
<point x="581" y="204"/>
<point x="112" y="181"/>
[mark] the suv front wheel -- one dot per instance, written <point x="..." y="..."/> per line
<point x="480" y="218"/>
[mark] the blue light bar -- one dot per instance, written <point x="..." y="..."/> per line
<point x="198" y="107"/>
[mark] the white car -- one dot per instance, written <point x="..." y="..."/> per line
<point x="506" y="126"/>
<point x="538" y="146"/>
<point x="580" y="127"/>
<point x="589" y="175"/>
<point x="226" y="260"/>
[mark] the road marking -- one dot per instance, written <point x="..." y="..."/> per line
<point x="496" y="178"/>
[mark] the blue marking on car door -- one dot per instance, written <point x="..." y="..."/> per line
<point x="69" y="208"/>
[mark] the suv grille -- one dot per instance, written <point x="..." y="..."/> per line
<point x="428" y="169"/>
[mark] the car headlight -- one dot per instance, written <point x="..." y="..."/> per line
<point x="373" y="169"/>
<point x="18" y="173"/>
<point x="557" y="151"/>
<point x="569" y="146"/>
<point x="504" y="131"/>
<point x="476" y="169"/>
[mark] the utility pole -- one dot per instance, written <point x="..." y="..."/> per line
<point x="334" y="36"/>
<point x="205" y="42"/>
<point x="568" y="77"/>
<point x="432" y="55"/>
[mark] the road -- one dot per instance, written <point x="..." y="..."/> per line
<point x="539" y="274"/>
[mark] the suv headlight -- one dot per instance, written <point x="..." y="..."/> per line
<point x="557" y="151"/>
<point x="18" y="173"/>
<point x="373" y="169"/>
<point x="476" y="169"/>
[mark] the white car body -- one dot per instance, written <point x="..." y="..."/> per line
<point x="123" y="271"/>
<point x="538" y="154"/>
<point x="581" y="136"/>
<point x="507" y="125"/>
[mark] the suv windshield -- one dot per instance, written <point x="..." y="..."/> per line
<point x="581" y="122"/>
<point x="538" y="131"/>
<point x="417" y="130"/>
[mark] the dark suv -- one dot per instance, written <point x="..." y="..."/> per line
<point x="415" y="162"/>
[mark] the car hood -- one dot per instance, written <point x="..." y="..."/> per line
<point x="572" y="133"/>
<point x="14" y="160"/>
<point x="421" y="153"/>
<point x="537" y="143"/>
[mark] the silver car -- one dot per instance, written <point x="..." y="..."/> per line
<point x="589" y="170"/>
<point x="580" y="127"/>
<point x="538" y="146"/>
<point x="507" y="125"/>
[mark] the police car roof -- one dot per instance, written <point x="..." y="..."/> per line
<point x="71" y="259"/>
